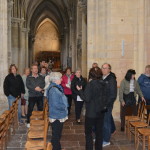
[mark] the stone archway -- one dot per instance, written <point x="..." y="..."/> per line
<point x="47" y="43"/>
<point x="59" y="19"/>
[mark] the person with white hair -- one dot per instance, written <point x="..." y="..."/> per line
<point x="58" y="111"/>
<point x="81" y="82"/>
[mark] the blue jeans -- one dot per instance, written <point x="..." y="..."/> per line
<point x="11" y="99"/>
<point x="113" y="126"/>
<point x="109" y="126"/>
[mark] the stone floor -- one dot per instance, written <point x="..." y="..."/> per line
<point x="73" y="134"/>
<point x="72" y="138"/>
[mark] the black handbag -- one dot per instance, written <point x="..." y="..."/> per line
<point x="129" y="99"/>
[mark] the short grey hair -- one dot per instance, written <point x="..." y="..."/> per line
<point x="54" y="76"/>
<point x="78" y="69"/>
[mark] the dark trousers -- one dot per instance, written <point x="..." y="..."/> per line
<point x="113" y="126"/>
<point x="69" y="98"/>
<point x="78" y="108"/>
<point x="98" y="124"/>
<point x="57" y="127"/>
<point x="127" y="111"/>
<point x="32" y="102"/>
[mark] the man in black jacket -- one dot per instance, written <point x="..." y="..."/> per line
<point x="35" y="83"/>
<point x="111" y="92"/>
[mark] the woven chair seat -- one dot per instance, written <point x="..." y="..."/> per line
<point x="37" y="113"/>
<point x="37" y="122"/>
<point x="35" y="134"/>
<point x="139" y="124"/>
<point x="144" y="131"/>
<point x="34" y="145"/>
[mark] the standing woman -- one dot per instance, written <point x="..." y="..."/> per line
<point x="81" y="82"/>
<point x="24" y="101"/>
<point x="128" y="91"/>
<point x="66" y="84"/>
<point x="14" y="87"/>
<point x="96" y="105"/>
<point x="58" y="111"/>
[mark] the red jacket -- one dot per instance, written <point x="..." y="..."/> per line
<point x="67" y="91"/>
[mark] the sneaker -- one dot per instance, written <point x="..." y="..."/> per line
<point x="28" y="125"/>
<point x="105" y="143"/>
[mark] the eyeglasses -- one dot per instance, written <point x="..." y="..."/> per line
<point x="105" y="68"/>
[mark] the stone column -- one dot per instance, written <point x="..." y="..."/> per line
<point x="140" y="44"/>
<point x="10" y="6"/>
<point x="82" y="36"/>
<point x="15" y="41"/>
<point x="3" y="45"/>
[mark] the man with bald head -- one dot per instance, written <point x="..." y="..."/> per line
<point x="111" y="91"/>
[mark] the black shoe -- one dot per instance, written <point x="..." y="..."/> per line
<point x="23" y="116"/>
<point x="122" y="129"/>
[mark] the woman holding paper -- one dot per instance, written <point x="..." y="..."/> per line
<point x="81" y="82"/>
<point x="66" y="84"/>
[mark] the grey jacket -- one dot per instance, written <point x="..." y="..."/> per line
<point x="32" y="83"/>
<point x="125" y="88"/>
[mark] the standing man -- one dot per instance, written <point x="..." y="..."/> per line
<point x="144" y="82"/>
<point x="35" y="84"/>
<point x="111" y="92"/>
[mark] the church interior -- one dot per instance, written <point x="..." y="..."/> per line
<point x="76" y="34"/>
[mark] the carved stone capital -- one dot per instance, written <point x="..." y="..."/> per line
<point x="82" y="4"/>
<point x="17" y="21"/>
<point x="10" y="4"/>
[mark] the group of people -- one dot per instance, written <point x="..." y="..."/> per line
<point x="98" y="92"/>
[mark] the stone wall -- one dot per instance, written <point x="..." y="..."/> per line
<point x="46" y="38"/>
<point x="116" y="35"/>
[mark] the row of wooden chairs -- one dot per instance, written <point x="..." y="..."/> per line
<point x="37" y="133"/>
<point x="138" y="126"/>
<point x="8" y="124"/>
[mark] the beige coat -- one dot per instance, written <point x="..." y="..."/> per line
<point x="125" y="88"/>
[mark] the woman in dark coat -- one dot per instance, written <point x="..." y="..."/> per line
<point x="14" y="87"/>
<point x="96" y="106"/>
<point x="81" y="82"/>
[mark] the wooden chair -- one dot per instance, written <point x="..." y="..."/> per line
<point x="40" y="122"/>
<point x="129" y="119"/>
<point x="134" y="126"/>
<point x="39" y="115"/>
<point x="49" y="146"/>
<point x="142" y="136"/>
<point x="4" y="126"/>
<point x="37" y="139"/>
<point x="149" y="143"/>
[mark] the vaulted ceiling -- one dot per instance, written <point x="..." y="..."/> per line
<point x="59" y="11"/>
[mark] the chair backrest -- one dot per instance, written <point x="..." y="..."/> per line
<point x="45" y="109"/>
<point x="45" y="132"/>
<point x="4" y="125"/>
<point x="49" y="146"/>
<point x="141" y="109"/>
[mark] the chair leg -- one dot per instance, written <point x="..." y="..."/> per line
<point x="135" y="135"/>
<point x="143" y="146"/>
<point x="137" y="144"/>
